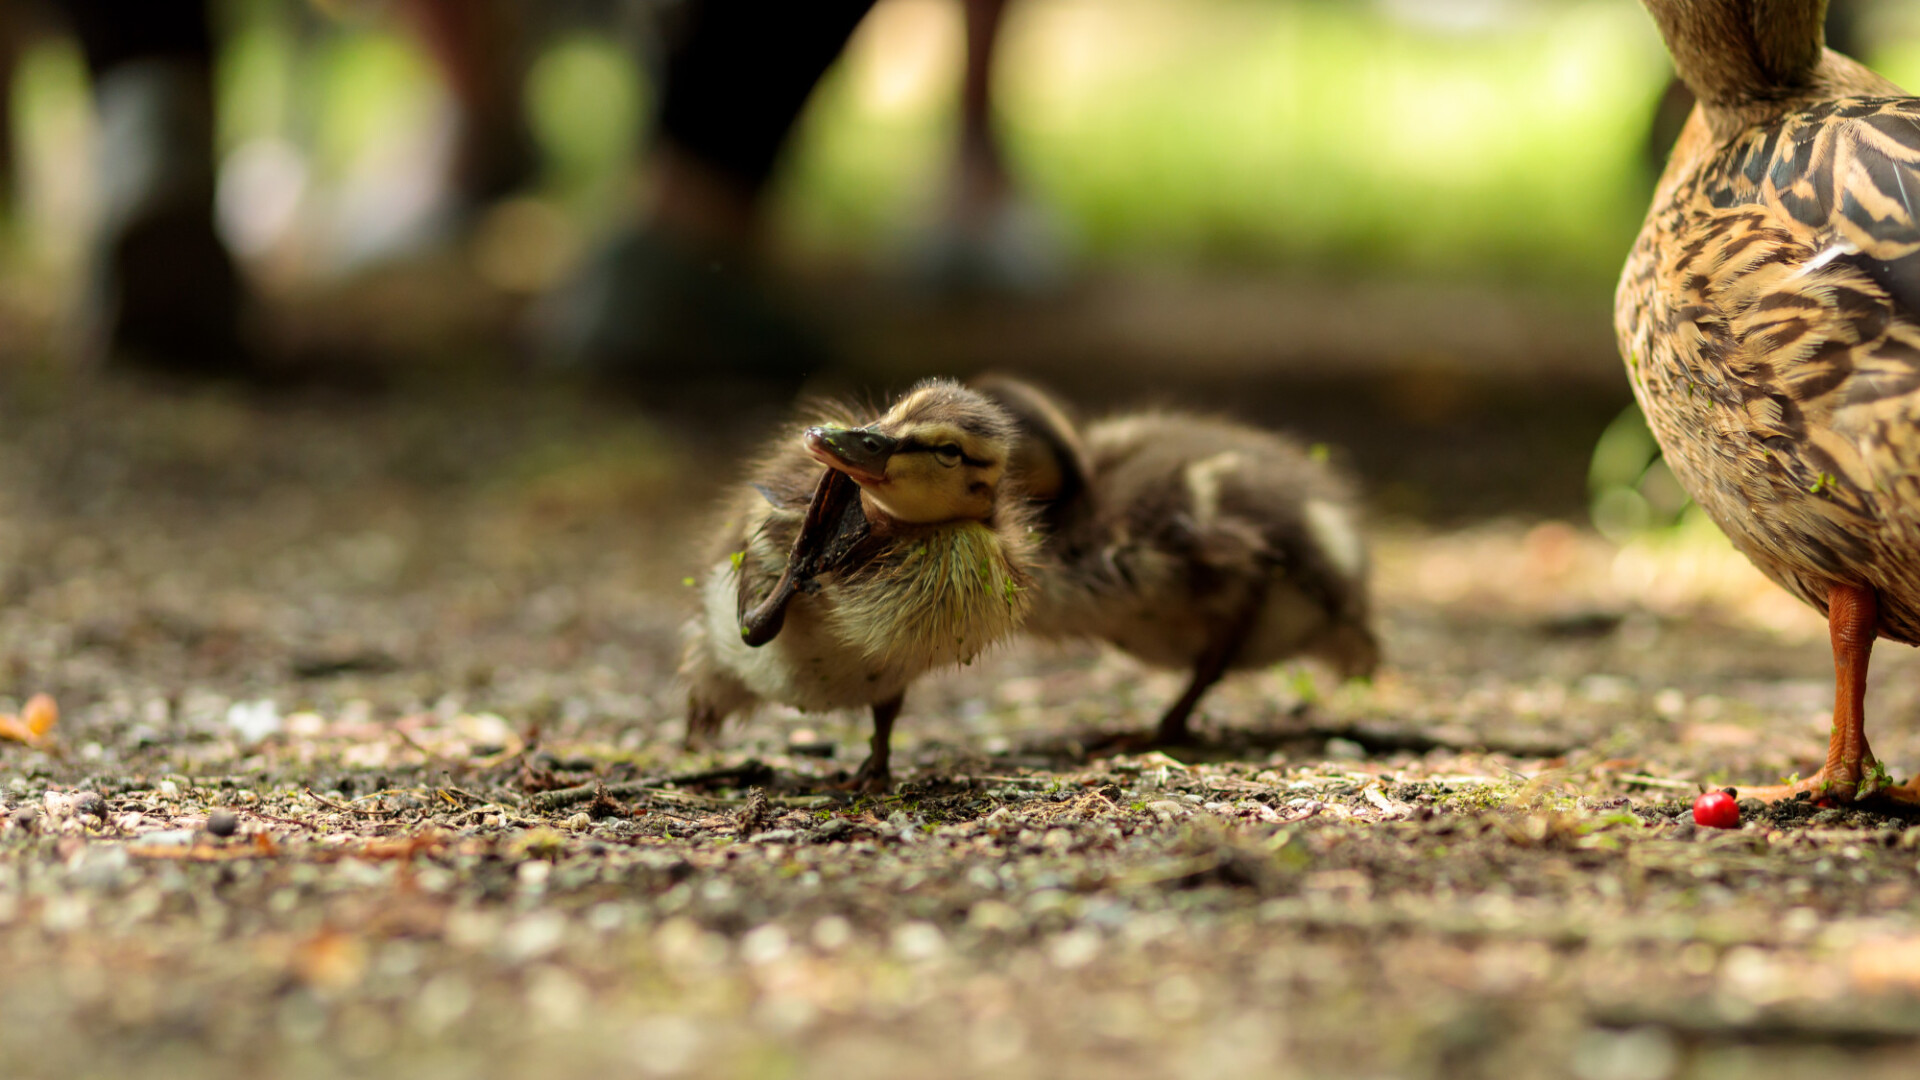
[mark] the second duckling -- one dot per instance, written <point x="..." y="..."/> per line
<point x="863" y="555"/>
<point x="1193" y="542"/>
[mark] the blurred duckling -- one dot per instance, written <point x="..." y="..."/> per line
<point x="1191" y="542"/>
<point x="863" y="555"/>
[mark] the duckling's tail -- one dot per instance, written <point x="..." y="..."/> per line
<point x="1350" y="649"/>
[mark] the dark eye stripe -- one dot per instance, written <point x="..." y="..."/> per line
<point x="910" y="445"/>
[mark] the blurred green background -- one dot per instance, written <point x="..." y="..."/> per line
<point x="1504" y="141"/>
<point x="1496" y="148"/>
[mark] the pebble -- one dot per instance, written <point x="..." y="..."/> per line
<point x="916" y="941"/>
<point x="1167" y="809"/>
<point x="165" y="838"/>
<point x="26" y="817"/>
<point x="90" y="804"/>
<point x="1345" y="750"/>
<point x="222" y="823"/>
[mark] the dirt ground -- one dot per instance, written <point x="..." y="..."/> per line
<point x="367" y="763"/>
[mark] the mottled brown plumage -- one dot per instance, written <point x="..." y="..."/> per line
<point x="1769" y="316"/>
<point x="866" y="552"/>
<point x="1194" y="543"/>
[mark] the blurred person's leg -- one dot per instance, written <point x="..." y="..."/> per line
<point x="992" y="238"/>
<point x="164" y="291"/>
<point x="481" y="50"/>
<point x="983" y="169"/>
<point x="12" y="44"/>
<point x="680" y="298"/>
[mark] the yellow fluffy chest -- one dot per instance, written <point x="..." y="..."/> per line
<point x="928" y="600"/>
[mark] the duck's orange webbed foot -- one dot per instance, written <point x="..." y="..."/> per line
<point x="1851" y="773"/>
<point x="1837" y="787"/>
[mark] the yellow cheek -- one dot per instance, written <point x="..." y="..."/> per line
<point x="920" y="489"/>
<point x="914" y="469"/>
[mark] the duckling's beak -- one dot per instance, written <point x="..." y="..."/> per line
<point x="861" y="453"/>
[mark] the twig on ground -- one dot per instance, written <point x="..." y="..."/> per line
<point x="342" y="807"/>
<point x="1661" y="782"/>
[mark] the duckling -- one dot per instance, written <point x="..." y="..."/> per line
<point x="864" y="554"/>
<point x="1192" y="542"/>
<point x="1769" y="317"/>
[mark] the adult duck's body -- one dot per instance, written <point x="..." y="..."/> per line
<point x="1769" y="316"/>
<point x="862" y="556"/>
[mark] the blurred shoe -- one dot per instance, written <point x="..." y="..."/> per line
<point x="650" y="312"/>
<point x="163" y="293"/>
<point x="1009" y="247"/>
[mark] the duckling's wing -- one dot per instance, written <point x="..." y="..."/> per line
<point x="830" y="527"/>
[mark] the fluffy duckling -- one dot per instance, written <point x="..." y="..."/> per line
<point x="862" y="556"/>
<point x="1769" y="316"/>
<point x="1192" y="542"/>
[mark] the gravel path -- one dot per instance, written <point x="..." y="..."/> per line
<point x="367" y="763"/>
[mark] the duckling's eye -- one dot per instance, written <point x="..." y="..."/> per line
<point x="948" y="453"/>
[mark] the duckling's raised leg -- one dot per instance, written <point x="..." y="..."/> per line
<point x="1851" y="773"/>
<point x="703" y="724"/>
<point x="875" y="775"/>
<point x="1224" y="647"/>
<point x="1175" y="729"/>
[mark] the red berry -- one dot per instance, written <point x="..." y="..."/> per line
<point x="1716" y="810"/>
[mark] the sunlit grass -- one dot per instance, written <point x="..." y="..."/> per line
<point x="585" y="101"/>
<point x="1246" y="130"/>
<point x="1323" y="135"/>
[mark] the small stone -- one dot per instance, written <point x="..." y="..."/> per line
<point x="917" y="941"/>
<point x="1340" y="749"/>
<point x="1167" y="809"/>
<point x="26" y="817"/>
<point x="223" y="823"/>
<point x="90" y="804"/>
<point x="164" y="838"/>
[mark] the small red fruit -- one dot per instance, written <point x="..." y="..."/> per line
<point x="1716" y="810"/>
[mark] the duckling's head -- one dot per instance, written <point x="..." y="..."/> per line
<point x="938" y="455"/>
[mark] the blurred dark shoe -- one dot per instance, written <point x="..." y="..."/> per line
<point x="1009" y="247"/>
<point x="163" y="292"/>
<point x="652" y="313"/>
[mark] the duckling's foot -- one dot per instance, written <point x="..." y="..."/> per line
<point x="703" y="725"/>
<point x="1176" y="724"/>
<point x="875" y="775"/>
<point x="869" y="779"/>
<point x="1118" y="743"/>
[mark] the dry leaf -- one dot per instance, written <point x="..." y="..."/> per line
<point x="330" y="960"/>
<point x="41" y="714"/>
<point x="33" y="725"/>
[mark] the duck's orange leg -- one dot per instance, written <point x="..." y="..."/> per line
<point x="1851" y="773"/>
